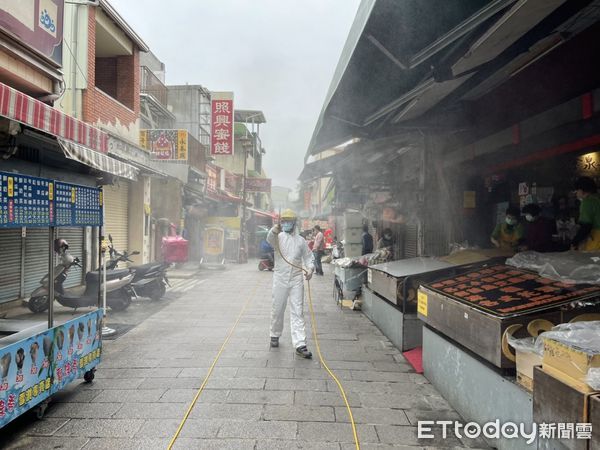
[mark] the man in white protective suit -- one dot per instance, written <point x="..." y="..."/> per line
<point x="288" y="282"/>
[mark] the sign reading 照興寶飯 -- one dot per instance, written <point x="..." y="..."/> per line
<point x="221" y="136"/>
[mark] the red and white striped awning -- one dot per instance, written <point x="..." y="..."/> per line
<point x="98" y="161"/>
<point x="17" y="106"/>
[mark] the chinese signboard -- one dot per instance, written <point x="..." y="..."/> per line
<point x="37" y="367"/>
<point x="214" y="241"/>
<point x="38" y="202"/>
<point x="38" y="24"/>
<point x="166" y="145"/>
<point x="231" y="225"/>
<point x="221" y="142"/>
<point x="254" y="184"/>
<point x="212" y="174"/>
<point x="233" y="183"/>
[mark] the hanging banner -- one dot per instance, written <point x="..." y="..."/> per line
<point x="221" y="133"/>
<point x="255" y="184"/>
<point x="165" y="145"/>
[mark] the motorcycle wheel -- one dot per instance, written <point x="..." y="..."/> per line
<point x="38" y="304"/>
<point x="120" y="302"/>
<point x="159" y="292"/>
<point x="261" y="266"/>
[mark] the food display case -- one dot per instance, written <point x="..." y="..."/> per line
<point x="480" y="308"/>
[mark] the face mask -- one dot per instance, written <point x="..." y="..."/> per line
<point x="510" y="221"/>
<point x="529" y="218"/>
<point x="287" y="226"/>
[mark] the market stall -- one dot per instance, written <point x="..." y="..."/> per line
<point x="39" y="358"/>
<point x="481" y="332"/>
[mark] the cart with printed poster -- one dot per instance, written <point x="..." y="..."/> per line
<point x="40" y="358"/>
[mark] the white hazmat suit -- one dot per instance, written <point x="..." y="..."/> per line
<point x="288" y="281"/>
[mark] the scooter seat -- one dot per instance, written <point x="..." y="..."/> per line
<point x="145" y="268"/>
<point x="95" y="276"/>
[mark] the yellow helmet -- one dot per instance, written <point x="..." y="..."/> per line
<point x="288" y="214"/>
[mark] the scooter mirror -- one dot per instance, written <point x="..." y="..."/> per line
<point x="110" y="238"/>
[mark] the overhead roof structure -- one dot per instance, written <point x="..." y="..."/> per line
<point x="249" y="116"/>
<point x="403" y="59"/>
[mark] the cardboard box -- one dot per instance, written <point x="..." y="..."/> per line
<point x="557" y="402"/>
<point x="353" y="235"/>
<point x="353" y="220"/>
<point x="525" y="362"/>
<point x="571" y="364"/>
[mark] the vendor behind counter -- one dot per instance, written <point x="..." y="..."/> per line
<point x="588" y="237"/>
<point x="508" y="234"/>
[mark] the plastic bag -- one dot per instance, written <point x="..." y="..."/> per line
<point x="593" y="378"/>
<point x="581" y="335"/>
<point x="524" y="344"/>
<point x="568" y="267"/>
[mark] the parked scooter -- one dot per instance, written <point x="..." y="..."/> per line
<point x="118" y="286"/>
<point x="149" y="280"/>
<point x="267" y="256"/>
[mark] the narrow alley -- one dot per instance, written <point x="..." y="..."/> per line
<point x="256" y="397"/>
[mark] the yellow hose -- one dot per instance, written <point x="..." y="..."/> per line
<point x="214" y="363"/>
<point x="316" y="339"/>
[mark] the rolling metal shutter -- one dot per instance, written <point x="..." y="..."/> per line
<point x="116" y="214"/>
<point x="10" y="275"/>
<point x="36" y="258"/>
<point x="411" y="240"/>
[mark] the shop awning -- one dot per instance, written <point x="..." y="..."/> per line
<point x="98" y="160"/>
<point x="15" y="105"/>
<point x="223" y="197"/>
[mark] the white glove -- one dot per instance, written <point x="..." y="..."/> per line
<point x="308" y="275"/>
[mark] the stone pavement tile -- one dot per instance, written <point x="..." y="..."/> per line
<point x="111" y="383"/>
<point x="373" y="386"/>
<point x="45" y="427"/>
<point x="129" y="396"/>
<point x="226" y="411"/>
<point x="200" y="372"/>
<point x="261" y="397"/>
<point x="74" y="393"/>
<point x="271" y="444"/>
<point x="185" y="363"/>
<point x="236" y="383"/>
<point x="437" y="403"/>
<point x="124" y="428"/>
<point x="369" y="446"/>
<point x="338" y="337"/>
<point x="374" y="416"/>
<point x="187" y="395"/>
<point x="385" y="366"/>
<point x="259" y="430"/>
<point x="294" y="384"/>
<point x="46" y="443"/>
<point x="193" y="428"/>
<point x="350" y="365"/>
<point x="293" y="362"/>
<point x="126" y="444"/>
<point x="374" y="375"/>
<point x="251" y="372"/>
<point x="160" y="372"/>
<point x="83" y="410"/>
<point x="320" y="374"/>
<point x="241" y="362"/>
<point x="335" y="432"/>
<point x="214" y="444"/>
<point x="325" y="399"/>
<point x="389" y="434"/>
<point x="299" y="413"/>
<point x="152" y="411"/>
<point x="392" y="400"/>
<point x="117" y="362"/>
<point x="414" y="415"/>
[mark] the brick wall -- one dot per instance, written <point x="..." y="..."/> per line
<point x="106" y="75"/>
<point x="100" y="107"/>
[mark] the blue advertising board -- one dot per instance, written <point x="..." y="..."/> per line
<point x="33" y="369"/>
<point x="27" y="201"/>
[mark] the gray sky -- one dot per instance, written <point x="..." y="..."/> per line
<point x="276" y="55"/>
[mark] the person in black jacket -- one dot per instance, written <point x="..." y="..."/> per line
<point x="367" y="241"/>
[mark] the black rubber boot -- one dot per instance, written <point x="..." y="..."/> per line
<point x="274" y="342"/>
<point x="303" y="351"/>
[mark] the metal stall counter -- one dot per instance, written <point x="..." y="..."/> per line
<point x="39" y="358"/>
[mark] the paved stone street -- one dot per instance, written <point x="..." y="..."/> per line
<point x="256" y="398"/>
